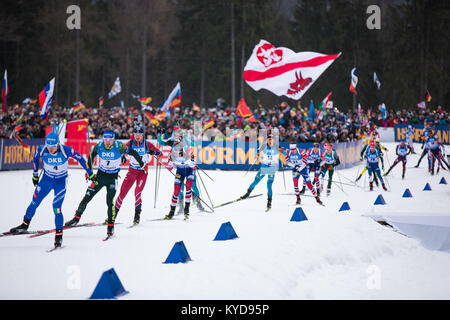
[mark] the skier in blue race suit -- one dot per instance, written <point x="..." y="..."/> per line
<point x="372" y="156"/>
<point x="55" y="158"/>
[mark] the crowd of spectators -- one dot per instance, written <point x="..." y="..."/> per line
<point x="294" y="122"/>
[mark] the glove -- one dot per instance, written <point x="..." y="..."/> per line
<point x="93" y="178"/>
<point x="297" y="167"/>
<point x="124" y="159"/>
<point x="155" y="152"/>
<point x="361" y="158"/>
<point x="382" y="167"/>
<point x="35" y="180"/>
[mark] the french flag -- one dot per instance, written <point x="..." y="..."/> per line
<point x="354" y="81"/>
<point x="45" y="98"/>
<point x="4" y="91"/>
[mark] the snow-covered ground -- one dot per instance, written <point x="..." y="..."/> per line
<point x="332" y="255"/>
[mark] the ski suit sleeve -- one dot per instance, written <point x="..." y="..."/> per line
<point x="133" y="153"/>
<point x="71" y="153"/>
<point x="36" y="159"/>
<point x="92" y="156"/>
<point x="337" y="161"/>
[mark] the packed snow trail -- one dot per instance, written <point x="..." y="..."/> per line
<point x="332" y="255"/>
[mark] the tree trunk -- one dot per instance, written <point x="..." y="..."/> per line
<point x="233" y="71"/>
<point x="144" y="52"/>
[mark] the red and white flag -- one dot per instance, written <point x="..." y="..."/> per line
<point x="421" y="105"/>
<point x="283" y="71"/>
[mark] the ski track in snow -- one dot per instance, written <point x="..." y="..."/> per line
<point x="330" y="256"/>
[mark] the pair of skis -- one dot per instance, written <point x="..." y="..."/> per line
<point x="37" y="233"/>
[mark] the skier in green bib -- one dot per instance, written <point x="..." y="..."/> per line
<point x="110" y="153"/>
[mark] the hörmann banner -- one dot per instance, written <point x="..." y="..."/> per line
<point x="443" y="132"/>
<point x="209" y="154"/>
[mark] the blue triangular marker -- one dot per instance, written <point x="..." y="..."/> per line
<point x="178" y="254"/>
<point x="226" y="232"/>
<point x="443" y="181"/>
<point x="345" y="206"/>
<point x="407" y="194"/>
<point x="109" y="286"/>
<point x="299" y="215"/>
<point x="427" y="187"/>
<point x="380" y="200"/>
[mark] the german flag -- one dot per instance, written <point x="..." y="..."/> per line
<point x="150" y="117"/>
<point x="145" y="100"/>
<point x="77" y="106"/>
<point x="100" y="101"/>
<point x="208" y="124"/>
<point x="427" y="96"/>
<point x="243" y="111"/>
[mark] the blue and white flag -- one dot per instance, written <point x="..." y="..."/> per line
<point x="383" y="110"/>
<point x="376" y="81"/>
<point x="116" y="88"/>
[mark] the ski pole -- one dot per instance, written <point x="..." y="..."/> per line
<point x="212" y="210"/>
<point x="206" y="190"/>
<point x="156" y="184"/>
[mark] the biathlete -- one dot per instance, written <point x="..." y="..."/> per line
<point x="110" y="153"/>
<point x="55" y="158"/>
<point x="297" y="161"/>
<point x="269" y="158"/>
<point x="372" y="156"/>
<point x="184" y="161"/>
<point x="331" y="160"/>
<point x="145" y="149"/>
<point x="402" y="151"/>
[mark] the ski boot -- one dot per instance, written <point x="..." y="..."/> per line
<point x="318" y="200"/>
<point x="22" y="228"/>
<point x="171" y="213"/>
<point x="384" y="187"/>
<point x="110" y="229"/>
<point x="73" y="222"/>
<point x="137" y="217"/>
<point x="299" y="201"/>
<point x="245" y="196"/>
<point x="186" y="210"/>
<point x="58" y="238"/>
<point x="114" y="215"/>
<point x="371" y="186"/>
<point x="303" y="190"/>
<point x="269" y="203"/>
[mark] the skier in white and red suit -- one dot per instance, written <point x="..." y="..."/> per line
<point x="315" y="158"/>
<point x="145" y="149"/>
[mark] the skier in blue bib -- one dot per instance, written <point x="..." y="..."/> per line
<point x="372" y="156"/>
<point x="269" y="158"/>
<point x="55" y="158"/>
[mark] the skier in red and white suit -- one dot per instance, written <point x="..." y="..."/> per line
<point x="145" y="149"/>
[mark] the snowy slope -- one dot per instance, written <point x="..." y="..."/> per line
<point x="333" y="255"/>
